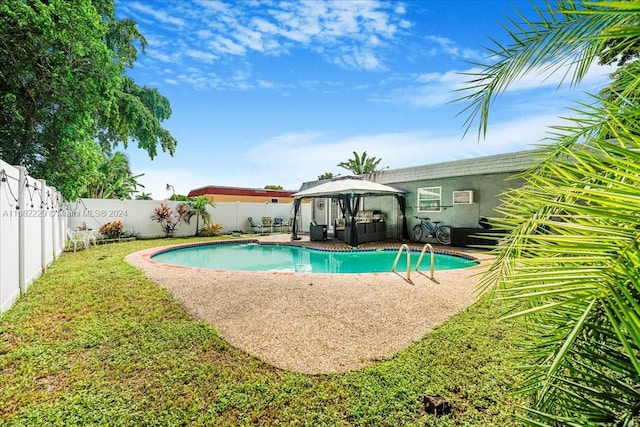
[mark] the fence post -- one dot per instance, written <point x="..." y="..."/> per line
<point x="237" y="216"/>
<point x="22" y="283"/>
<point x="43" y="226"/>
<point x="63" y="222"/>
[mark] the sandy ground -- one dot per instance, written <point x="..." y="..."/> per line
<point x="316" y="323"/>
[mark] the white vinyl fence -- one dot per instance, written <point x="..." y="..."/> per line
<point x="32" y="230"/>
<point x="34" y="220"/>
<point x="136" y="215"/>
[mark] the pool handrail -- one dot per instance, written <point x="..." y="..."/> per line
<point x="433" y="256"/>
<point x="395" y="263"/>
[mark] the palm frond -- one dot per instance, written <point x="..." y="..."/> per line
<point x="568" y="38"/>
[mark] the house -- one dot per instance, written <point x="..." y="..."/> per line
<point x="457" y="193"/>
<point x="240" y="194"/>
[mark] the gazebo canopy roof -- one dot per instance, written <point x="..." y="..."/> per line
<point x="347" y="185"/>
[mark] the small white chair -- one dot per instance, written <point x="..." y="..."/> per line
<point x="76" y="239"/>
<point x="90" y="237"/>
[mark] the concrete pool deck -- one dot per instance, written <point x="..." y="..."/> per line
<point x="318" y="323"/>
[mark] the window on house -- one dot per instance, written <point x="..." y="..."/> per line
<point x="274" y="200"/>
<point x="429" y="199"/>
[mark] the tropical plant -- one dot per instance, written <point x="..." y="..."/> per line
<point x="326" y="175"/>
<point x="112" y="230"/>
<point x="167" y="219"/>
<point x="198" y="208"/>
<point x="210" y="230"/>
<point x="113" y="179"/>
<point x="361" y="164"/>
<point x="144" y="196"/>
<point x="273" y="187"/>
<point x="569" y="266"/>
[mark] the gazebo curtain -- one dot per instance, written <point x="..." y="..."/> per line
<point x="296" y="214"/>
<point x="402" y="203"/>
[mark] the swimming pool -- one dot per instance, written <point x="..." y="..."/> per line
<point x="290" y="258"/>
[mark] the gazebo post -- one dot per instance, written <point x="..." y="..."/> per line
<point x="296" y="212"/>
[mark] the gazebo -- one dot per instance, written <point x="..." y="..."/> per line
<point x="348" y="191"/>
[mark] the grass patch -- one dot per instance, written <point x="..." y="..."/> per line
<point x="94" y="342"/>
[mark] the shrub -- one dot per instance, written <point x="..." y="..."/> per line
<point x="167" y="219"/>
<point x="210" y="230"/>
<point x="112" y="230"/>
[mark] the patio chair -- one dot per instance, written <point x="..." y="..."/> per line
<point x="287" y="224"/>
<point x="254" y="227"/>
<point x="317" y="231"/>
<point x="76" y="239"/>
<point x="277" y="223"/>
<point x="90" y="237"/>
<point x="267" y="222"/>
<point x="338" y="228"/>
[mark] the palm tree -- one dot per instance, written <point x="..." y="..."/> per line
<point x="114" y="179"/>
<point x="360" y="165"/>
<point x="326" y="175"/>
<point x="144" y="196"/>
<point x="198" y="207"/>
<point x="569" y="266"/>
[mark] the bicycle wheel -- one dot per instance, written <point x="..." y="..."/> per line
<point x="443" y="235"/>
<point x="416" y="233"/>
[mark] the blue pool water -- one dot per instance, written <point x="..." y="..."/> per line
<point x="289" y="258"/>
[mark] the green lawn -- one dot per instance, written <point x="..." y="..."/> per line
<point x="95" y="343"/>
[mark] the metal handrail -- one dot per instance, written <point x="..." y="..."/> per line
<point x="424" y="249"/>
<point x="395" y="263"/>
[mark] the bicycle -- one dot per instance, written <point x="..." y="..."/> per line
<point x="426" y="228"/>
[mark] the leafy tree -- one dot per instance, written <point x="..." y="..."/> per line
<point x="569" y="265"/>
<point x="63" y="92"/>
<point x="360" y="164"/>
<point x="198" y="207"/>
<point x="113" y="179"/>
<point x="326" y="175"/>
<point x="273" y="187"/>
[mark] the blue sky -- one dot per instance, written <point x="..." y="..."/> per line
<point x="280" y="92"/>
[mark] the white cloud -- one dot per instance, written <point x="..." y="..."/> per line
<point x="159" y="15"/>
<point x="251" y="39"/>
<point x="225" y="45"/>
<point x="168" y="57"/>
<point x="449" y="47"/>
<point x="308" y="155"/>
<point x="204" y="34"/>
<point x="436" y="89"/>
<point x="353" y="34"/>
<point x="201" y="55"/>
<point x="265" y="84"/>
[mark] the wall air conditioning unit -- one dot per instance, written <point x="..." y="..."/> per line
<point x="464" y="197"/>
